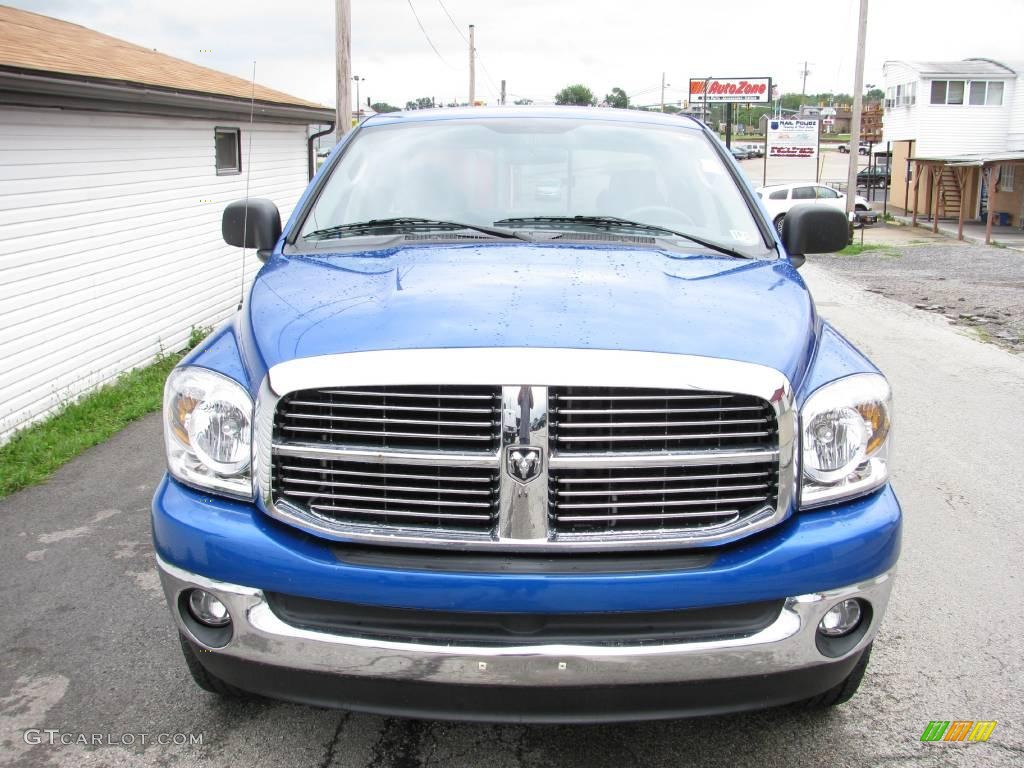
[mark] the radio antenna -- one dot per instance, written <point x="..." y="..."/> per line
<point x="248" y="171"/>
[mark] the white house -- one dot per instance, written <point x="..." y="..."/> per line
<point x="961" y="125"/>
<point x="115" y="164"/>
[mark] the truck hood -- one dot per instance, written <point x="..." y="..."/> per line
<point x="525" y="295"/>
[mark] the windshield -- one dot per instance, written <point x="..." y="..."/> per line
<point x="482" y="171"/>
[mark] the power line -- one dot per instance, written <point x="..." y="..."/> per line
<point x="494" y="86"/>
<point x="424" y="31"/>
<point x="457" y="27"/>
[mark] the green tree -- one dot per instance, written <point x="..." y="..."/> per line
<point x="423" y="102"/>
<point x="578" y="95"/>
<point x="875" y="94"/>
<point x="383" y="106"/>
<point x="617" y="98"/>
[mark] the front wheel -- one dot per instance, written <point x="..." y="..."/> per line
<point x="844" y="691"/>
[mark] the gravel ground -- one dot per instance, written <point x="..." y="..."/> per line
<point x="978" y="287"/>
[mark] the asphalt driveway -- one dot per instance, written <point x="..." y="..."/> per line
<point x="90" y="656"/>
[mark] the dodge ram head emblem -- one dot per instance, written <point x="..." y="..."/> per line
<point x="523" y="462"/>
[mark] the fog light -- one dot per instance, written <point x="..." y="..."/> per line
<point x="207" y="609"/>
<point x="841" y="619"/>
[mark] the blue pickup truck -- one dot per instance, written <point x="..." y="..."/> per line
<point x="528" y="416"/>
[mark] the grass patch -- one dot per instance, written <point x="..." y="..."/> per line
<point x="36" y="452"/>
<point x="856" y="249"/>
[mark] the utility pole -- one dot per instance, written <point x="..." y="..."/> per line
<point x="359" y="103"/>
<point x="662" y="91"/>
<point x="342" y="53"/>
<point x="472" y="65"/>
<point x="503" y="93"/>
<point x="803" y="89"/>
<point x="858" y="101"/>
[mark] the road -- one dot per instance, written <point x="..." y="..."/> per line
<point x="88" y="645"/>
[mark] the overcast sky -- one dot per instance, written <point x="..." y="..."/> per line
<point x="538" y="46"/>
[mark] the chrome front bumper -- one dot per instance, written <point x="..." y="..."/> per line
<point x="786" y="645"/>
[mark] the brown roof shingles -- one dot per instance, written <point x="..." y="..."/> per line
<point x="30" y="41"/>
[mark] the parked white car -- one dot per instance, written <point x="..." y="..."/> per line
<point x="778" y="199"/>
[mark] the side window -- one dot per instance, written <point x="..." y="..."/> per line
<point x="803" y="193"/>
<point x="827" y="193"/>
<point x="995" y="94"/>
<point x="977" y="93"/>
<point x="938" y="91"/>
<point x="956" y="92"/>
<point x="228" y="149"/>
<point x="779" y="194"/>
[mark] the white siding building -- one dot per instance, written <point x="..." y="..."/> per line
<point x="966" y="113"/>
<point x="113" y="179"/>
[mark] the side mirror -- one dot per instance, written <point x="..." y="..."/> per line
<point x="814" y="229"/>
<point x="253" y="223"/>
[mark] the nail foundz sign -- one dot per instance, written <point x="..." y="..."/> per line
<point x="793" y="138"/>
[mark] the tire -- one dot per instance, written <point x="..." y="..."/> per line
<point x="778" y="223"/>
<point x="843" y="692"/>
<point x="204" y="679"/>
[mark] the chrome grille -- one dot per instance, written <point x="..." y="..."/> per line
<point x="432" y="418"/>
<point x="680" y="498"/>
<point x="614" y="419"/>
<point x="407" y="496"/>
<point x="702" y="454"/>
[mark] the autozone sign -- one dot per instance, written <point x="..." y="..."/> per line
<point x="743" y="90"/>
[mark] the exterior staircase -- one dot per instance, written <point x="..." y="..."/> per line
<point x="949" y="195"/>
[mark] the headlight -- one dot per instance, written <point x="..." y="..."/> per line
<point x="208" y="431"/>
<point x="844" y="439"/>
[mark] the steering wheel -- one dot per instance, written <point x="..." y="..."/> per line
<point x="649" y="214"/>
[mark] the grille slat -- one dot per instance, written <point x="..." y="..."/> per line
<point x="398" y="513"/>
<point x="643" y="491"/>
<point x="647" y="479"/>
<point x="370" y="486"/>
<point x="383" y="433"/>
<point x="651" y="411"/>
<point x="390" y="407"/>
<point x="422" y="418"/>
<point x="729" y="515"/>
<point x="665" y="396"/>
<point x="384" y="498"/>
<point x="665" y="437"/>
<point x="658" y="503"/>
<point x="653" y="424"/>
<point x="399" y="392"/>
<point x="379" y="420"/>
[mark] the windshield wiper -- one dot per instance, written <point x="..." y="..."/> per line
<point x="614" y="222"/>
<point x="408" y="224"/>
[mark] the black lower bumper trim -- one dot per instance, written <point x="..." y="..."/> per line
<point x="550" y="704"/>
<point x="509" y="629"/>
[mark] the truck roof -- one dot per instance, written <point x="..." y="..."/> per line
<point x="634" y="116"/>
